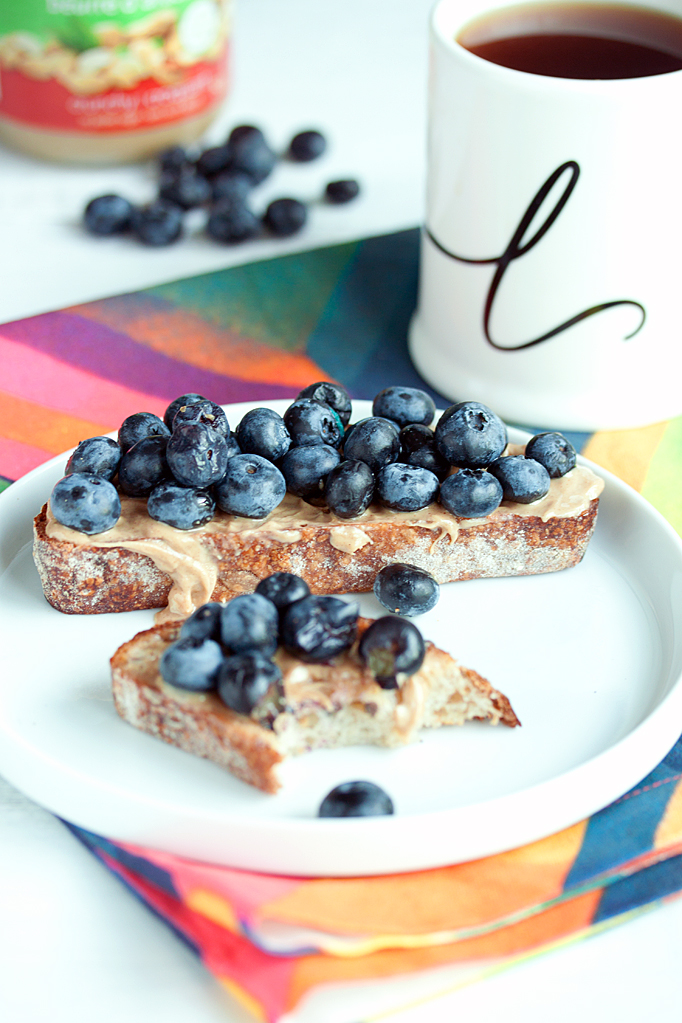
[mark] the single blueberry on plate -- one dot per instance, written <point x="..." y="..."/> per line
<point x="356" y="799"/>
<point x="349" y="489"/>
<point x="204" y="623"/>
<point x="471" y="493"/>
<point x="100" y="455"/>
<point x="262" y="432"/>
<point x="306" y="469"/>
<point x="375" y="441"/>
<point x="342" y="191"/>
<point x="252" y="487"/>
<point x="245" y="679"/>
<point x="285" y="217"/>
<point x="191" y="663"/>
<point x="404" y="487"/>
<point x="206" y="412"/>
<point x="392" y="648"/>
<point x="143" y="467"/>
<point x="313" y="422"/>
<point x="197" y="455"/>
<point x="107" y="215"/>
<point x="232" y="222"/>
<point x="470" y="435"/>
<point x="249" y="622"/>
<point x="158" y="224"/>
<point x="283" y="588"/>
<point x="554" y="451"/>
<point x="86" y="502"/>
<point x="138" y="426"/>
<point x="406" y="589"/>
<point x="307" y="146"/>
<point x="181" y="507"/>
<point x="404" y="405"/>
<point x="177" y="403"/>
<point x="334" y="395"/>
<point x="315" y="629"/>
<point x="523" y="479"/>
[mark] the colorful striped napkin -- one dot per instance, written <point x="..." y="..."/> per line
<point x="265" y="330"/>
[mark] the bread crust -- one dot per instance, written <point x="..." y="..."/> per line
<point x="86" y="579"/>
<point x="204" y="726"/>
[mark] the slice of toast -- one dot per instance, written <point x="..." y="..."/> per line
<point x="143" y="564"/>
<point x="325" y="706"/>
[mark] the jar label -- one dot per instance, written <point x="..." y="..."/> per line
<point x="111" y="65"/>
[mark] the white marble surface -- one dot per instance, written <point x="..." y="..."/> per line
<point x="75" y="946"/>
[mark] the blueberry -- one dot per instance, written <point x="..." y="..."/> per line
<point x="315" y="629"/>
<point x="305" y="470"/>
<point x="523" y="479"/>
<point x="417" y="447"/>
<point x="176" y="404"/>
<point x="232" y="222"/>
<point x="181" y="507"/>
<point x="159" y="223"/>
<point x="138" y="426"/>
<point x="554" y="451"/>
<point x="342" y="191"/>
<point x="245" y="679"/>
<point x="204" y="623"/>
<point x="186" y="188"/>
<point x="205" y="412"/>
<point x="406" y="488"/>
<point x="108" y="214"/>
<point x="356" y="799"/>
<point x="252" y="487"/>
<point x="243" y="132"/>
<point x="375" y="441"/>
<point x="100" y="455"/>
<point x="249" y="622"/>
<point x="232" y="447"/>
<point x="285" y="217"/>
<point x="232" y="187"/>
<point x="334" y="395"/>
<point x="349" y="489"/>
<point x="173" y="159"/>
<point x="191" y="663"/>
<point x="262" y="432"/>
<point x="283" y="588"/>
<point x="469" y="435"/>
<point x="307" y="146"/>
<point x="197" y="455"/>
<point x="250" y="153"/>
<point x="143" y="467"/>
<point x="471" y="493"/>
<point x="404" y="405"/>
<point x="86" y="502"/>
<point x="312" y="422"/>
<point x="406" y="590"/>
<point x="392" y="647"/>
<point x="214" y="160"/>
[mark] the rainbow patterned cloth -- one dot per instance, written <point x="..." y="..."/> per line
<point x="261" y="331"/>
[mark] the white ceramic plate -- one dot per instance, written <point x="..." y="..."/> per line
<point x="590" y="658"/>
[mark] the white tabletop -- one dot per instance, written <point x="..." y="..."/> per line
<point x="74" y="945"/>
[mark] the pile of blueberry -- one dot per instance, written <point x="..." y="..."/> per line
<point x="219" y="179"/>
<point x="190" y="463"/>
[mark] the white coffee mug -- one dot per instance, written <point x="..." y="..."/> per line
<point x="551" y="260"/>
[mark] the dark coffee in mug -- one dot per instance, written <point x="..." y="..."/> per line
<point x="578" y="40"/>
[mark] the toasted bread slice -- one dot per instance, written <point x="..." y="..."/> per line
<point x="325" y="706"/>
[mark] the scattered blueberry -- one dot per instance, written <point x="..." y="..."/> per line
<point x="406" y="589"/>
<point x="338" y="192"/>
<point x="417" y="447"/>
<point x="191" y="663"/>
<point x="232" y="222"/>
<point x="249" y="622"/>
<point x="243" y="132"/>
<point x="406" y="488"/>
<point x="262" y="432"/>
<point x="305" y="470"/>
<point x="108" y="214"/>
<point x="312" y="422"/>
<point x="283" y="588"/>
<point x="231" y="186"/>
<point x="138" y="426"/>
<point x="143" y="467"/>
<point x="206" y="412"/>
<point x="469" y="435"/>
<point x="307" y="146"/>
<point x="356" y="799"/>
<point x="250" y="153"/>
<point x="86" y="502"/>
<point x="245" y="679"/>
<point x="173" y="159"/>
<point x="181" y="507"/>
<point x="176" y="404"/>
<point x="392" y="647"/>
<point x="204" y="623"/>
<point x="375" y="441"/>
<point x="334" y="395"/>
<point x="471" y="493"/>
<point x="157" y="224"/>
<point x="316" y="628"/>
<point x="186" y="188"/>
<point x="523" y="479"/>
<point x="554" y="451"/>
<point x="349" y="489"/>
<point x="100" y="455"/>
<point x="285" y="217"/>
<point x="197" y="455"/>
<point x="214" y="160"/>
<point x="404" y="405"/>
<point x="252" y="487"/>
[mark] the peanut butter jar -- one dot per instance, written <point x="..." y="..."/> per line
<point x="109" y="81"/>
